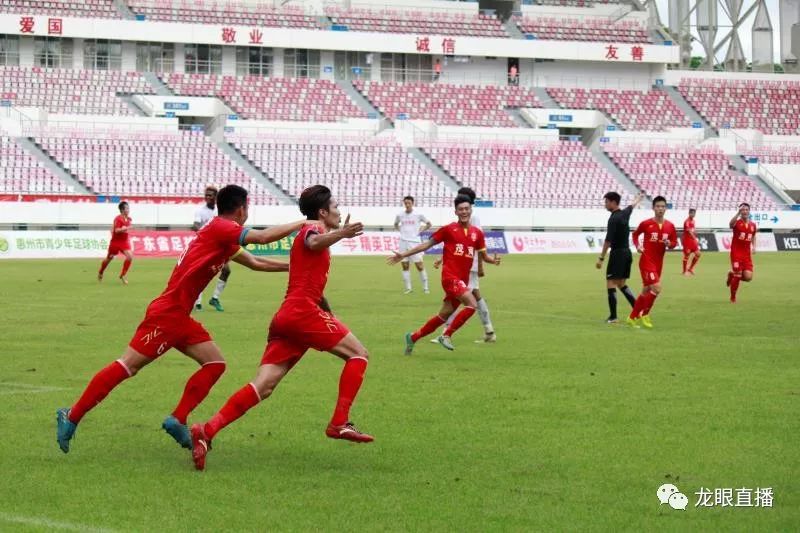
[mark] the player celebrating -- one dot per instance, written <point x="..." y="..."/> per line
<point x="168" y="324"/>
<point x="742" y="248"/>
<point x="462" y="241"/>
<point x="201" y="217"/>
<point x="120" y="243"/>
<point x="410" y="224"/>
<point x="659" y="234"/>
<point x="691" y="244"/>
<point x="619" y="265"/>
<point x="304" y="321"/>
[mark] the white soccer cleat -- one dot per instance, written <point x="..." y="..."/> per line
<point x="445" y="341"/>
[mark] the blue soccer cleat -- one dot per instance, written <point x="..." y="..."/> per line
<point x="409" y="344"/>
<point x="65" y="429"/>
<point x="177" y="431"/>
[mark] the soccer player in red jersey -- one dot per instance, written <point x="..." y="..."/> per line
<point x="742" y="249"/>
<point x="691" y="244"/>
<point x="168" y="324"/>
<point x="304" y="321"/>
<point x="461" y="242"/>
<point x="659" y="234"/>
<point x="120" y="243"/>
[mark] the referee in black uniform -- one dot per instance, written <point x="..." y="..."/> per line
<point x="619" y="264"/>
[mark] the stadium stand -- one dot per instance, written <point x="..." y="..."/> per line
<point x="376" y="173"/>
<point x="769" y="106"/>
<point x="22" y="173"/>
<point x="697" y="177"/>
<point x="776" y="155"/>
<point x="148" y="164"/>
<point x="416" y="21"/>
<point x="459" y="105"/>
<point x="91" y="92"/>
<point x="261" y="98"/>
<point x="590" y="29"/>
<point x="73" y="8"/>
<point x="651" y="110"/>
<point x="557" y="174"/>
<point x="224" y="12"/>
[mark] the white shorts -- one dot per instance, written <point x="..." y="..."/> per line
<point x="407" y="245"/>
<point x="473" y="281"/>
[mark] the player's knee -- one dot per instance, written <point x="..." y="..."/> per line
<point x="747" y="276"/>
<point x="217" y="367"/>
<point x="362" y="353"/>
<point x="655" y="289"/>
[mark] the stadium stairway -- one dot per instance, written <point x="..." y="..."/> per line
<point x="128" y="99"/>
<point x="518" y="117"/>
<point x="690" y="111"/>
<point x="158" y="84"/>
<point x="425" y="159"/>
<point x="623" y="179"/>
<point x="545" y="98"/>
<point x="124" y="9"/>
<point x="512" y="29"/>
<point x="778" y="195"/>
<point x="252" y="170"/>
<point x="359" y="99"/>
<point x="30" y="146"/>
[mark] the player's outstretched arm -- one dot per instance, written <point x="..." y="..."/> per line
<point x="494" y="260"/>
<point x="261" y="264"/>
<point x="397" y="257"/>
<point x="320" y="241"/>
<point x="735" y="218"/>
<point x="265" y="236"/>
<point x="637" y="200"/>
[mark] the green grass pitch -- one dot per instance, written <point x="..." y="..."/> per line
<point x="565" y="424"/>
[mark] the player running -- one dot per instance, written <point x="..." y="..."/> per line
<point x="168" y="324"/>
<point x="201" y="217"/>
<point x="304" y="321"/>
<point x="410" y="224"/>
<point x="462" y="241"/>
<point x="120" y="243"/>
<point x="691" y="244"/>
<point x="742" y="249"/>
<point x="659" y="234"/>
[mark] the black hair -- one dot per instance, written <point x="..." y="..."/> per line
<point x="461" y="198"/>
<point x="659" y="199"/>
<point x="230" y="198"/>
<point x="743" y="204"/>
<point x="613" y="197"/>
<point x="122" y="205"/>
<point x="211" y="188"/>
<point x="466" y="191"/>
<point x="313" y="199"/>
<point x="692" y="210"/>
<point x="409" y="198"/>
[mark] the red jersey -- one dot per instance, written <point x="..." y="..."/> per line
<point x="120" y="222"/>
<point x="654" y="246"/>
<point x="308" y="269"/>
<point x="215" y="244"/>
<point x="688" y="227"/>
<point x="460" y="246"/>
<point x="743" y="233"/>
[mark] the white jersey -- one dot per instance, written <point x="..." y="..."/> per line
<point x="409" y="224"/>
<point x="203" y="215"/>
<point x="475" y="221"/>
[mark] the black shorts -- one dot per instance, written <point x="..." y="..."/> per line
<point x="619" y="264"/>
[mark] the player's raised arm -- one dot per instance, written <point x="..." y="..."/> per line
<point x="265" y="236"/>
<point x="397" y="257"/>
<point x="637" y="200"/>
<point x="320" y="241"/>
<point x="261" y="264"/>
<point x="736" y="217"/>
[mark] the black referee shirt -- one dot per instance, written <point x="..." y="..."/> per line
<point x="619" y="229"/>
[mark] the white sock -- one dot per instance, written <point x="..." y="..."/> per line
<point x="407" y="279"/>
<point x="423" y="276"/>
<point x="199" y="299"/>
<point x="219" y="289"/>
<point x="483" y="313"/>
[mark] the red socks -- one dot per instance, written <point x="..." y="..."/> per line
<point x="643" y="304"/>
<point x="349" y="384"/>
<point x="695" y="259"/>
<point x="236" y="406"/>
<point x="429" y="327"/>
<point x="651" y="299"/>
<point x="461" y="318"/>
<point x="104" y="265"/>
<point x="735" y="280"/>
<point x="197" y="388"/>
<point x="98" y="388"/>
<point x="125" y="266"/>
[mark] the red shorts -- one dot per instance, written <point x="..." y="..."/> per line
<point x="690" y="247"/>
<point x="159" y="332"/>
<point x="118" y="247"/>
<point x="650" y="277"/>
<point x="741" y="263"/>
<point x="453" y="290"/>
<point x="294" y="329"/>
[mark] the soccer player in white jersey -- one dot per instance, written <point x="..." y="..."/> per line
<point x="410" y="223"/>
<point x="475" y="273"/>
<point x="203" y="216"/>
